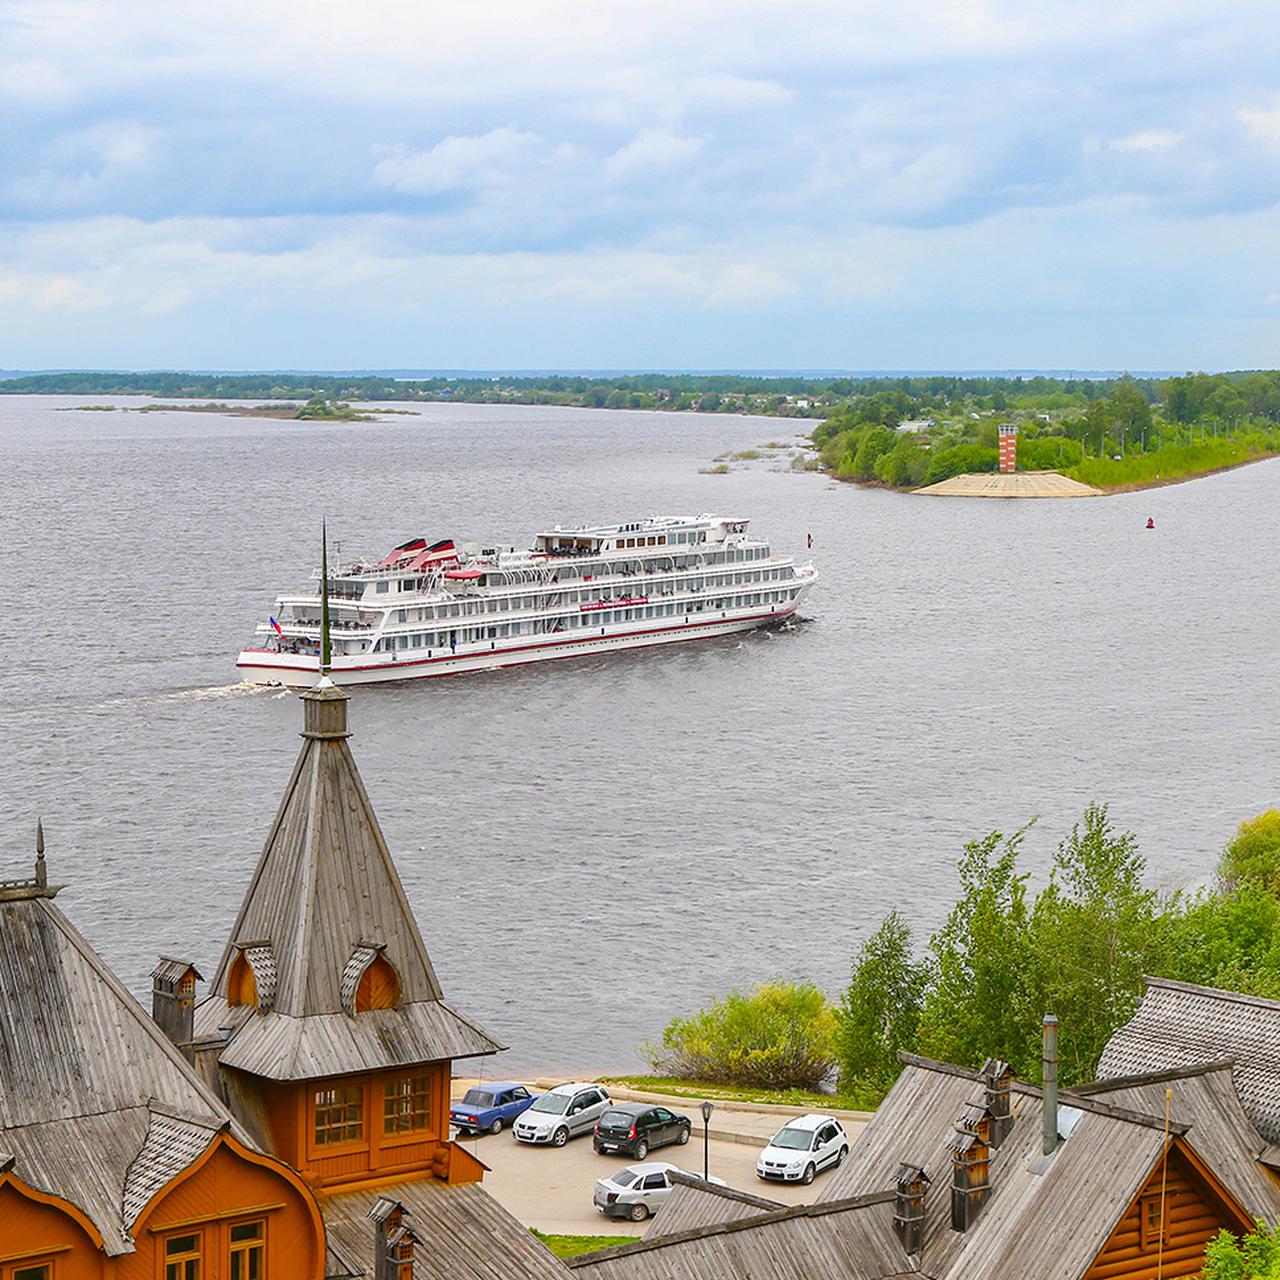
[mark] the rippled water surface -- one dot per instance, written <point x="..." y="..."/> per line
<point x="594" y="845"/>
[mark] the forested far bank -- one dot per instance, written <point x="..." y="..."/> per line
<point x="1131" y="434"/>
<point x="885" y="400"/>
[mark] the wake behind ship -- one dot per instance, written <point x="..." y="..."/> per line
<point x="440" y="609"/>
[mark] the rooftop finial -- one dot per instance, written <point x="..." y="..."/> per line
<point x="326" y="648"/>
<point x="42" y="874"/>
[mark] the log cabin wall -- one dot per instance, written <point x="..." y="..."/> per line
<point x="1191" y="1221"/>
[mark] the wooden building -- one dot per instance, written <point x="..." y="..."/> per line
<point x="966" y="1175"/>
<point x="1180" y="1024"/>
<point x="293" y="1124"/>
<point x="116" y="1159"/>
<point x="327" y="1035"/>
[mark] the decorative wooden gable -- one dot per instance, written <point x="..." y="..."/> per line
<point x="1164" y="1231"/>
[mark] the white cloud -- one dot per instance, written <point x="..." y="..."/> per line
<point x="748" y="284"/>
<point x="483" y="160"/>
<point x="1149" y="140"/>
<point x="675" y="159"/>
<point x="652" y="155"/>
<point x="1265" y="123"/>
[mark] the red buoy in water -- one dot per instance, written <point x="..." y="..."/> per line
<point x="1151" y="524"/>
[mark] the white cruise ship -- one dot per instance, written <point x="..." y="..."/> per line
<point x="439" y="609"/>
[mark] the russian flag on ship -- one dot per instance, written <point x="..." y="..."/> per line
<point x="274" y="623"/>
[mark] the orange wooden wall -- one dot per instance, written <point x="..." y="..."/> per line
<point x="228" y="1187"/>
<point x="30" y="1227"/>
<point x="1193" y="1220"/>
<point x="378" y="1157"/>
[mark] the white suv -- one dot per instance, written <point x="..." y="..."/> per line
<point x="561" y="1113"/>
<point x="802" y="1148"/>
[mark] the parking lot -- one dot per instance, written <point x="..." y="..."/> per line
<point x="551" y="1188"/>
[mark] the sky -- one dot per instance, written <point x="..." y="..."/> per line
<point x="666" y="184"/>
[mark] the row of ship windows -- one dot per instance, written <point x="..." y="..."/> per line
<point x="470" y="608"/>
<point x="603" y="618"/>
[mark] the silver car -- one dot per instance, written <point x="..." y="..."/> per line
<point x="638" y="1190"/>
<point x="561" y="1113"/>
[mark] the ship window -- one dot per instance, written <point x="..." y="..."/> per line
<point x="384" y="587"/>
<point x="662" y="540"/>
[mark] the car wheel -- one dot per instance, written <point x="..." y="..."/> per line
<point x="638" y="1213"/>
<point x="844" y="1151"/>
<point x="809" y="1171"/>
<point x="642" y="1150"/>
<point x="683" y="1135"/>
<point x="560" y="1137"/>
<point x="496" y="1126"/>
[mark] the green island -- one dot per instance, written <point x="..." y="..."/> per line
<point x="1080" y="945"/>
<point x="317" y="409"/>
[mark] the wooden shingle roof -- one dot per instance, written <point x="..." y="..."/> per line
<point x="851" y="1239"/>
<point x="88" y="1083"/>
<point x="324" y="901"/>
<point x="464" y="1234"/>
<point x="1179" y="1024"/>
<point x="695" y="1203"/>
<point x="1205" y="1099"/>
<point x="1041" y="1218"/>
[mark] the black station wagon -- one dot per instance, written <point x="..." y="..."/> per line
<point x="636" y="1128"/>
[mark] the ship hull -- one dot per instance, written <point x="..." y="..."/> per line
<point x="299" y="671"/>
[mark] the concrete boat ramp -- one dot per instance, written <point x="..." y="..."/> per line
<point x="1020" y="484"/>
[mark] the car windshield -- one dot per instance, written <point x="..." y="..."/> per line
<point x="624" y="1177"/>
<point x="617" y="1120"/>
<point x="792" y="1139"/>
<point x="478" y="1098"/>
<point x="555" y="1103"/>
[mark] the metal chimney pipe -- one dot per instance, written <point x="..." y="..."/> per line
<point x="1050" y="1084"/>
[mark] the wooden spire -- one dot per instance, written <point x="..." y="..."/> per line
<point x="326" y="644"/>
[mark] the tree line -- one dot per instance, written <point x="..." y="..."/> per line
<point x="979" y="986"/>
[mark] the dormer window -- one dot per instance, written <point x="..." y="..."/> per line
<point x="369" y="980"/>
<point x="252" y="980"/>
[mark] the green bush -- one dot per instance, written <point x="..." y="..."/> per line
<point x="1048" y="453"/>
<point x="1254" y="854"/>
<point x="958" y="461"/>
<point x="780" y="1035"/>
<point x="1257" y="1257"/>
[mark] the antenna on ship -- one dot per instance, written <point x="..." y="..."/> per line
<point x="326" y="647"/>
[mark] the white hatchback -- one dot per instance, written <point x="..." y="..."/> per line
<point x="802" y="1148"/>
<point x="637" y="1191"/>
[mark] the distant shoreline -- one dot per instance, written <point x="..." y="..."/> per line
<point x="1104" y="490"/>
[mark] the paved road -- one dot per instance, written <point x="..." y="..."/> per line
<point x="551" y="1189"/>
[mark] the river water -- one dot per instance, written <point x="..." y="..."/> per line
<point x="593" y="846"/>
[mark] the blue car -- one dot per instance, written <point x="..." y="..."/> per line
<point x="486" y="1108"/>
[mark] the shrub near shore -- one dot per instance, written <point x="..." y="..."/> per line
<point x="1079" y="947"/>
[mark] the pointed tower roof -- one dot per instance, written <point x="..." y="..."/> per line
<point x="325" y="904"/>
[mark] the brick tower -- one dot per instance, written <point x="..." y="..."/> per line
<point x="1008" y="447"/>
